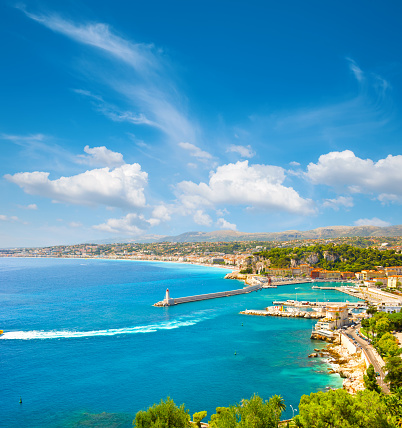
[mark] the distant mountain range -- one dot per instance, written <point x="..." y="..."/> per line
<point x="230" y="235"/>
<point x="321" y="232"/>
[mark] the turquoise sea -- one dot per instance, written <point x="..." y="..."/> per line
<point x="83" y="345"/>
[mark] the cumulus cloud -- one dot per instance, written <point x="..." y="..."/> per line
<point x="243" y="184"/>
<point x="195" y="151"/>
<point x="243" y="151"/>
<point x="223" y="224"/>
<point x="101" y="156"/>
<point x="346" y="170"/>
<point x="202" y="218"/>
<point x="121" y="187"/>
<point x="345" y="201"/>
<point x="132" y="224"/>
<point x="162" y="212"/>
<point x="372" y="222"/>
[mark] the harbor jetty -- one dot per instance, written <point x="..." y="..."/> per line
<point x="168" y="301"/>
<point x="276" y="312"/>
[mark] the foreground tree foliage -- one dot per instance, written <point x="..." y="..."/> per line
<point x="163" y="415"/>
<point x="370" y="380"/>
<point x="339" y="409"/>
<point x="197" y="417"/>
<point x="332" y="409"/>
<point x="253" y="413"/>
<point x="394" y="375"/>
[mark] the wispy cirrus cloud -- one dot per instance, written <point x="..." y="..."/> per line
<point x="347" y="118"/>
<point x="114" y="113"/>
<point x="153" y="99"/>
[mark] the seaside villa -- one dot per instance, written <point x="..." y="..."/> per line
<point x="335" y="317"/>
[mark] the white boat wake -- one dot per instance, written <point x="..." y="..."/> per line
<point x="65" y="334"/>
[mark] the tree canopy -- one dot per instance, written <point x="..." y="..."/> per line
<point x="342" y="257"/>
<point x="339" y="409"/>
<point x="163" y="415"/>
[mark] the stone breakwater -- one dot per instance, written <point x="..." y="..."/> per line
<point x="278" y="313"/>
<point x="196" y="298"/>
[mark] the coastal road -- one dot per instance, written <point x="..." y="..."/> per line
<point x="371" y="356"/>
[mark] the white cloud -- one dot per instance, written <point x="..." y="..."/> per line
<point x="160" y="213"/>
<point x="120" y="187"/>
<point x="223" y="224"/>
<point x="28" y="207"/>
<point x="344" y="170"/>
<point x="9" y="218"/>
<point x="153" y="93"/>
<point x="202" y="218"/>
<point x="101" y="156"/>
<point x="75" y="224"/>
<point x="195" y="151"/>
<point x="132" y="224"/>
<point x="99" y="36"/>
<point x="294" y="163"/>
<point x="244" y="151"/>
<point x="222" y="212"/>
<point x="357" y="71"/>
<point x="243" y="184"/>
<point x="372" y="222"/>
<point x="345" y="201"/>
<point x="114" y="113"/>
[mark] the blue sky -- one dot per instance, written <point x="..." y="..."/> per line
<point x="124" y="119"/>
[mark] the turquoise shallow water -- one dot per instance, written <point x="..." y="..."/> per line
<point x="82" y="338"/>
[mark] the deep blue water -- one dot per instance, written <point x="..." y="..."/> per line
<point x="82" y="338"/>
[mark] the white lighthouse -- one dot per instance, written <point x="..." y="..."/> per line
<point x="168" y="301"/>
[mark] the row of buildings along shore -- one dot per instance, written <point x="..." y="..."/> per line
<point x="390" y="277"/>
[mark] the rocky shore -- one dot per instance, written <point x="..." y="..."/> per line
<point x="350" y="367"/>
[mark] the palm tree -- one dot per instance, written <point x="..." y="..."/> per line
<point x="278" y="404"/>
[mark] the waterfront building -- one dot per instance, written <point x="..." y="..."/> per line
<point x="372" y="274"/>
<point x="348" y="275"/>
<point x="394" y="281"/>
<point x="394" y="270"/>
<point x="389" y="307"/>
<point x="335" y="317"/>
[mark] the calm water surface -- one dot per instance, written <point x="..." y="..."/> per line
<point x="84" y="345"/>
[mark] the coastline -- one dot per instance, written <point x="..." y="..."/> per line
<point x="335" y="363"/>
<point x="350" y="367"/>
